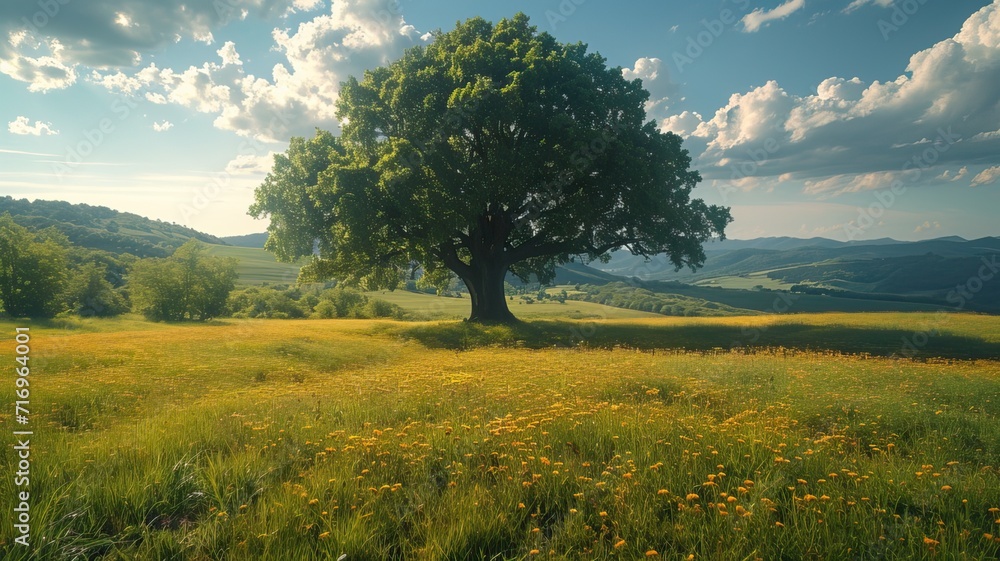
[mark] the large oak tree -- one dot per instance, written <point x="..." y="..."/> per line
<point x="493" y="149"/>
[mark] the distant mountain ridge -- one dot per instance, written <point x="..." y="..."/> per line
<point x="786" y="242"/>
<point x="739" y="257"/>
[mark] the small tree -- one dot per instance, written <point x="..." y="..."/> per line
<point x="90" y="293"/>
<point x="187" y="285"/>
<point x="32" y="270"/>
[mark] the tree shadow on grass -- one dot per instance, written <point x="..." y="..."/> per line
<point x="704" y="337"/>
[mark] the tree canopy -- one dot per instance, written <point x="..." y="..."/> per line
<point x="493" y="149"/>
<point x="32" y="270"/>
<point x="187" y="285"/>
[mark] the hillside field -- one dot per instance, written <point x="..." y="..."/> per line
<point x="556" y="439"/>
<point x="256" y="266"/>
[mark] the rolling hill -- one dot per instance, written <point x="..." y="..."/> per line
<point x="102" y="228"/>
<point x="759" y="275"/>
<point x="950" y="273"/>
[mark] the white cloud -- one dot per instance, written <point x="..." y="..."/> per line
<point x="849" y="133"/>
<point x="123" y="20"/>
<point x="988" y="176"/>
<point x="22" y="126"/>
<point x="656" y="81"/>
<point x="44" y="47"/>
<point x="307" y="5"/>
<point x="683" y="124"/>
<point x="229" y="55"/>
<point x="957" y="176"/>
<point x="251" y="164"/>
<point x="760" y="17"/>
<point x="860" y="3"/>
<point x="163" y="126"/>
<point x="301" y="93"/>
<point x="44" y="72"/>
<point x="645" y="69"/>
<point x="852" y="183"/>
<point x="927" y="225"/>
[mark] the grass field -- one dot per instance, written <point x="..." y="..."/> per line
<point x="384" y="440"/>
<point x="746" y="282"/>
<point x="257" y="266"/>
<point x="427" y="306"/>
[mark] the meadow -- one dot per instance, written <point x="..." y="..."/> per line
<point x="559" y="439"/>
<point x="427" y="306"/>
<point x="257" y="266"/>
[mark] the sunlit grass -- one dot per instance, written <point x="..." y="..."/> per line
<point x="313" y="439"/>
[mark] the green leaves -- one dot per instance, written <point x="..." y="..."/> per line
<point x="32" y="270"/>
<point x="494" y="148"/>
<point x="187" y="285"/>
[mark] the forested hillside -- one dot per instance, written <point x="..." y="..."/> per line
<point x="102" y="228"/>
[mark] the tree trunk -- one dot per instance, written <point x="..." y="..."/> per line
<point x="489" y="302"/>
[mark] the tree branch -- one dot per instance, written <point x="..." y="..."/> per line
<point x="448" y="253"/>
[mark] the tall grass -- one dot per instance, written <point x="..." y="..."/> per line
<point x="384" y="440"/>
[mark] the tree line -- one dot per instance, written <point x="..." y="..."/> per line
<point x="43" y="274"/>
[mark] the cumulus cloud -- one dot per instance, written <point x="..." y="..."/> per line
<point x="42" y="67"/>
<point x="988" y="176"/>
<point x="301" y="93"/>
<point x="683" y="124"/>
<point x="645" y="69"/>
<point x="850" y="134"/>
<point x="307" y="5"/>
<point x="22" y="125"/>
<point x="42" y="43"/>
<point x="656" y="80"/>
<point x="163" y="126"/>
<point x="229" y="55"/>
<point x="251" y="164"/>
<point x="756" y="19"/>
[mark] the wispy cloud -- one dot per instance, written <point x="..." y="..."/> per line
<point x="988" y="176"/>
<point x="23" y="153"/>
<point x="759" y="17"/>
<point x="860" y="3"/>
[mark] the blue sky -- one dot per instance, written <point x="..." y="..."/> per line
<point x="848" y="119"/>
